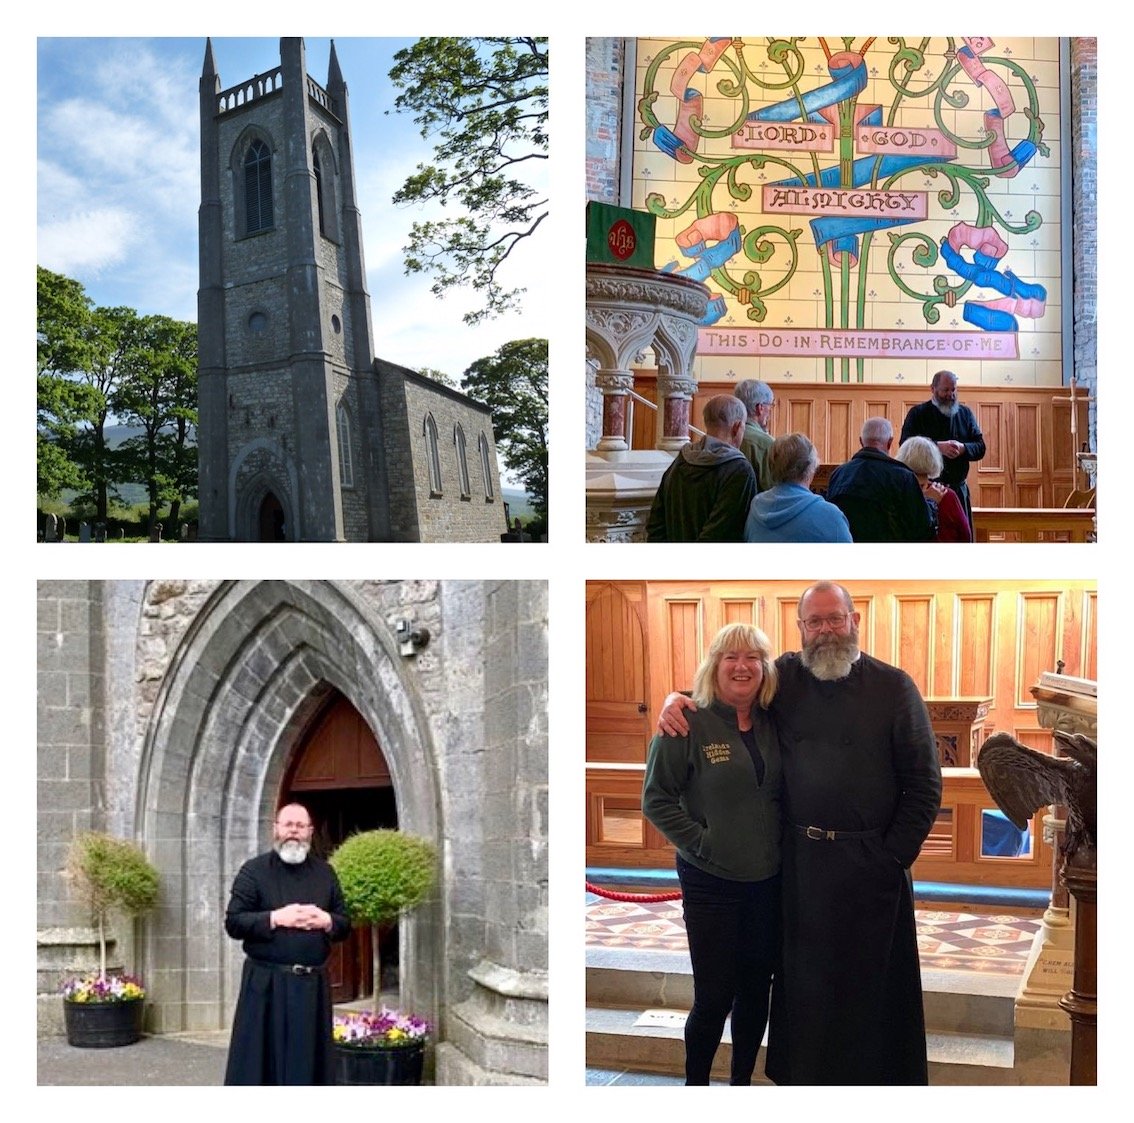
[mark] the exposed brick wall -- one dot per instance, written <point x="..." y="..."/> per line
<point x="604" y="117"/>
<point x="1084" y="142"/>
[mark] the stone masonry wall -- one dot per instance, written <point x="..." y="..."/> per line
<point x="497" y="1033"/>
<point x="448" y="517"/>
<point x="70" y="727"/>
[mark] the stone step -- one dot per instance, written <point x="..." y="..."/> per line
<point x="955" y="1002"/>
<point x="615" y="1042"/>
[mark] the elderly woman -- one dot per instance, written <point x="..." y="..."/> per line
<point x="922" y="455"/>
<point x="715" y="794"/>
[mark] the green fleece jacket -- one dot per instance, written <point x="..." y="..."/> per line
<point x="701" y="792"/>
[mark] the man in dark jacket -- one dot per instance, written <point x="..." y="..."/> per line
<point x="880" y="496"/>
<point x="955" y="430"/>
<point x="288" y="908"/>
<point x="705" y="493"/>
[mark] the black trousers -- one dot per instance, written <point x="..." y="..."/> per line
<point x="733" y="929"/>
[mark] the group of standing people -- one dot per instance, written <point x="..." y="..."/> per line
<point x="738" y="483"/>
<point x="798" y="791"/>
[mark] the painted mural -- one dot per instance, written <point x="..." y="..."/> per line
<point x="862" y="209"/>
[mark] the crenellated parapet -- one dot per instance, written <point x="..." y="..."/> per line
<point x="258" y="86"/>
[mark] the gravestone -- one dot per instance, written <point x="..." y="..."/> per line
<point x="155" y="532"/>
<point x="100" y="532"/>
<point x="50" y="529"/>
<point x="84" y="532"/>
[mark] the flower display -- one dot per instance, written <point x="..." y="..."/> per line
<point x="103" y="988"/>
<point x="389" y="1028"/>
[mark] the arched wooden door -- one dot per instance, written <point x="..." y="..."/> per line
<point x="340" y="775"/>
<point x="618" y="722"/>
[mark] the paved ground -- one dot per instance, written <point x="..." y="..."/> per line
<point x="171" y="1059"/>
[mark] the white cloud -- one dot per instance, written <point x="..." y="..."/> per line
<point x="87" y="241"/>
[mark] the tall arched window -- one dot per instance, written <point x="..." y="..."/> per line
<point x="486" y="467"/>
<point x="462" y="462"/>
<point x="326" y="192"/>
<point x="319" y="190"/>
<point x="433" y="454"/>
<point x="346" y="465"/>
<point x="257" y="187"/>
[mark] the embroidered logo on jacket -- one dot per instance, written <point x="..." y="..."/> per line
<point x="717" y="754"/>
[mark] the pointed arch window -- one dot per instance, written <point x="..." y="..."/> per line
<point x="346" y="465"/>
<point x="462" y="461"/>
<point x="433" y="454"/>
<point x="326" y="189"/>
<point x="257" y="187"/>
<point x="315" y="163"/>
<point x="486" y="467"/>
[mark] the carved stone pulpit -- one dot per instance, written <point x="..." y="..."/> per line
<point x="627" y="311"/>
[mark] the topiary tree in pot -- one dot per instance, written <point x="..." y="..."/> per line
<point x="383" y="874"/>
<point x="107" y="874"/>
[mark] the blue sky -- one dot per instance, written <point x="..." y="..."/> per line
<point x="118" y="185"/>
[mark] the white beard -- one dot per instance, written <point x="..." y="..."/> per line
<point x="947" y="408"/>
<point x="832" y="660"/>
<point x="293" y="852"/>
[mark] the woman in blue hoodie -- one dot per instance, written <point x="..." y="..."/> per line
<point x="790" y="511"/>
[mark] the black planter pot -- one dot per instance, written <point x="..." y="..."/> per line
<point x="103" y="1025"/>
<point x="379" y="1064"/>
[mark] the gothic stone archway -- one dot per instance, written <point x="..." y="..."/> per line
<point x="255" y="666"/>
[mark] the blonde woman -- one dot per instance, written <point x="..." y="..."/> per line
<point x="715" y="794"/>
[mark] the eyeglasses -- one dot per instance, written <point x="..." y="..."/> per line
<point x="835" y="621"/>
<point x="295" y="826"/>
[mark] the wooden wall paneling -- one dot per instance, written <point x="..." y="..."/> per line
<point x="1040" y="632"/>
<point x="739" y="610"/>
<point x="1026" y="429"/>
<point x="675" y="614"/>
<point x="1088" y="660"/>
<point x="785" y="629"/>
<point x="1062" y="468"/>
<point x="843" y="428"/>
<point x="1029" y="457"/>
<point x="975" y="648"/>
<point x="799" y="415"/>
<point x="989" y="479"/>
<point x="912" y="640"/>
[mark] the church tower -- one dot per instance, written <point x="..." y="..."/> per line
<point x="290" y="425"/>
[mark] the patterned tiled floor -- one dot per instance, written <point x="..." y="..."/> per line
<point x="947" y="941"/>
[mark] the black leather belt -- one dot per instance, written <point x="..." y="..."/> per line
<point x="819" y="834"/>
<point x="289" y="968"/>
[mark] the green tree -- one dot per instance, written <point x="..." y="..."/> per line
<point x="114" y="335"/>
<point x="439" y="376"/>
<point x="485" y="103"/>
<point x="110" y="874"/>
<point x="63" y="348"/>
<point x="157" y="393"/>
<point x="513" y="384"/>
<point x="383" y="874"/>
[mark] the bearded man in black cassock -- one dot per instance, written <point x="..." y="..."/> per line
<point x="953" y="428"/>
<point x="862" y="787"/>
<point x="288" y="908"/>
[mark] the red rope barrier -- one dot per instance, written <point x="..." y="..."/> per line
<point x="634" y="898"/>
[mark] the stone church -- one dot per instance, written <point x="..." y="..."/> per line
<point x="181" y="714"/>
<point x="303" y="434"/>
